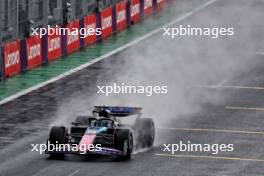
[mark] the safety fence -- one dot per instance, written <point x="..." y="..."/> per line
<point x="21" y="55"/>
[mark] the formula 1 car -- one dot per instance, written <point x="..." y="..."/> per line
<point x="106" y="132"/>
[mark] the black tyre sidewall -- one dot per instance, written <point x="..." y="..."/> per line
<point x="120" y="137"/>
<point x="57" y="136"/>
<point x="145" y="132"/>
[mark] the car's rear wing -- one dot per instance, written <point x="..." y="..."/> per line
<point x="119" y="111"/>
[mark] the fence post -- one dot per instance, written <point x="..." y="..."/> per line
<point x="45" y="13"/>
<point x="1" y="63"/>
<point x="73" y="6"/>
<point x="114" y="22"/>
<point x="128" y="20"/>
<point x="98" y="24"/>
<point x="23" y="54"/>
<point x="81" y="36"/>
<point x="44" y="38"/>
<point x="1" y="48"/>
<point x="16" y="21"/>
<point x="1" y="21"/>
<point x="141" y="4"/>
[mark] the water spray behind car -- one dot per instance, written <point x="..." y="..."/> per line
<point x="185" y="64"/>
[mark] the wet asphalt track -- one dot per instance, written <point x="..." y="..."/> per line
<point x="229" y="120"/>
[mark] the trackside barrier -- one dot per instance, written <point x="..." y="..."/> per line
<point x="1" y="62"/>
<point x="12" y="61"/>
<point x="90" y="24"/>
<point x="54" y="46"/>
<point x="120" y="13"/>
<point x="148" y="7"/>
<point x="159" y="4"/>
<point x="106" y="22"/>
<point x="134" y="11"/>
<point x="73" y="37"/>
<point x="34" y="51"/>
<point x="28" y="53"/>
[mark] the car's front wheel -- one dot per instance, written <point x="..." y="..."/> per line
<point x="57" y="136"/>
<point x="124" y="143"/>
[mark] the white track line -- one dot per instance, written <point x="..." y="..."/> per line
<point x="230" y="87"/>
<point x="211" y="157"/>
<point x="41" y="171"/>
<point x="244" y="108"/>
<point x="212" y="130"/>
<point x="81" y="67"/>
<point x="74" y="173"/>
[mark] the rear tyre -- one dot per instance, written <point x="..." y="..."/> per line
<point x="145" y="132"/>
<point x="124" y="143"/>
<point x="57" y="136"/>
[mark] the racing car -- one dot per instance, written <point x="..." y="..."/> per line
<point x="106" y="128"/>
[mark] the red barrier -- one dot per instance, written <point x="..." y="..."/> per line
<point x="134" y="11"/>
<point x="160" y="4"/>
<point x="34" y="51"/>
<point x="90" y="26"/>
<point x="73" y="39"/>
<point x="148" y="7"/>
<point x="106" y="22"/>
<point x="12" y="58"/>
<point x="54" y="46"/>
<point x="121" y="15"/>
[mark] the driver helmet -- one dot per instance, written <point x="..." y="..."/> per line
<point x="104" y="113"/>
